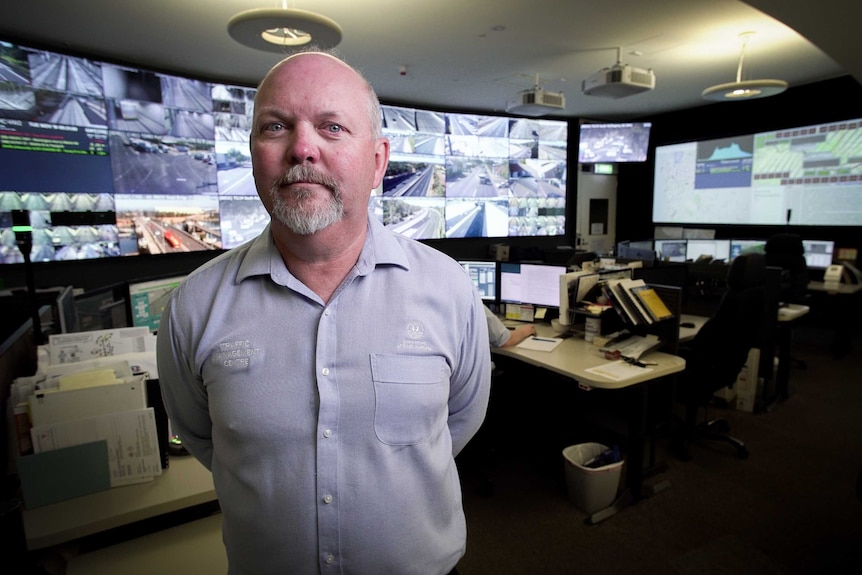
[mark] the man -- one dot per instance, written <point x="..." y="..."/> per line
<point x="328" y="371"/>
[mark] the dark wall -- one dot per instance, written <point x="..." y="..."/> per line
<point x="827" y="101"/>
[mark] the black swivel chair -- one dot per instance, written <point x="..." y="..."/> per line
<point x="785" y="251"/>
<point x="718" y="352"/>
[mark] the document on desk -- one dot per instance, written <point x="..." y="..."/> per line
<point x="80" y="346"/>
<point x="540" y="343"/>
<point x="49" y="407"/>
<point x="133" y="450"/>
<point x="619" y="370"/>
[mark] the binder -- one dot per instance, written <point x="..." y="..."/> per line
<point x="652" y="303"/>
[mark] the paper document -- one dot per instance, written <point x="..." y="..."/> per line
<point x="633" y="347"/>
<point x="81" y="346"/>
<point x="618" y="370"/>
<point x="540" y="343"/>
<point x="56" y="406"/>
<point x="133" y="450"/>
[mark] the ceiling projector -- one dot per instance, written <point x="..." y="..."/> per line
<point x="536" y="102"/>
<point x="619" y="81"/>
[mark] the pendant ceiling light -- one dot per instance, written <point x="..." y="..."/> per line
<point x="283" y="29"/>
<point x="744" y="89"/>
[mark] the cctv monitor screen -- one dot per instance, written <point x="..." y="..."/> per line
<point x="148" y="298"/>
<point x="617" y="142"/>
<point x="466" y="175"/>
<point x="484" y="276"/>
<point x="534" y="284"/>
<point x="714" y="250"/>
<point x="818" y="253"/>
<point x="670" y="250"/>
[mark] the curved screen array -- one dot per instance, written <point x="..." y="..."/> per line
<point x="804" y="176"/>
<point x="154" y="163"/>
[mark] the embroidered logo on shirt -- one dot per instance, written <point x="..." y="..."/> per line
<point x="236" y="354"/>
<point x="415" y="329"/>
<point x="415" y="333"/>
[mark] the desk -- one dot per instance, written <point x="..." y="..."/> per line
<point x="193" y="547"/>
<point x="571" y="359"/>
<point x="835" y="288"/>
<point x="688" y="333"/>
<point x="184" y="484"/>
<point x="840" y="305"/>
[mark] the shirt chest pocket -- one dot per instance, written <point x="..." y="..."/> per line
<point x="411" y="397"/>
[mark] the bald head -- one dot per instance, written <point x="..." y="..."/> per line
<point x="327" y="60"/>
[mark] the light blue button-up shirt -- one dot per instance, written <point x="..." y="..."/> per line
<point x="330" y="429"/>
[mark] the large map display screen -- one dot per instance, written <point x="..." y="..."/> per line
<point x="155" y="163"/>
<point x="803" y="176"/>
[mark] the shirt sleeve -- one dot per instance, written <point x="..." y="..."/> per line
<point x="498" y="333"/>
<point x="470" y="386"/>
<point x="182" y="389"/>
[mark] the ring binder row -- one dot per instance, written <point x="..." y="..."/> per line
<point x="647" y="308"/>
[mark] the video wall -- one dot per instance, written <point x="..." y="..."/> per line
<point x="809" y="175"/>
<point x="155" y="163"/>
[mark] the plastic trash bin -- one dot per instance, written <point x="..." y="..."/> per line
<point x="590" y="489"/>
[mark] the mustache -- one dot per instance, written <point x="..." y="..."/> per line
<point x="308" y="175"/>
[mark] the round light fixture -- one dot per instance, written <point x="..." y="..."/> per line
<point x="280" y="29"/>
<point x="744" y="89"/>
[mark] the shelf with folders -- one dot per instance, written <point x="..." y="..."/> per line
<point x="648" y="309"/>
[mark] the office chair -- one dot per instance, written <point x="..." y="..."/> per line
<point x="718" y="352"/>
<point x="785" y="251"/>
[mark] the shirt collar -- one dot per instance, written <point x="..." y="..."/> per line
<point x="382" y="247"/>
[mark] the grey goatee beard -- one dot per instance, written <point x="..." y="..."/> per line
<point x="295" y="212"/>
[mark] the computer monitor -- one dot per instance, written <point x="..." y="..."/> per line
<point x="711" y="250"/>
<point x="739" y="247"/>
<point x="818" y="253"/>
<point x="148" y="298"/>
<point x="484" y="276"/>
<point x="66" y="312"/>
<point x="102" y="308"/>
<point x="670" y="250"/>
<point x="534" y="284"/>
<point x="638" y="250"/>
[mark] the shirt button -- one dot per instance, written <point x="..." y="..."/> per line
<point x="325" y="371"/>
<point x="326" y="312"/>
<point x="327" y="433"/>
<point x="327" y="498"/>
<point x="330" y="558"/>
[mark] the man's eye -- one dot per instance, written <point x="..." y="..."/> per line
<point x="274" y="127"/>
<point x="334" y="128"/>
